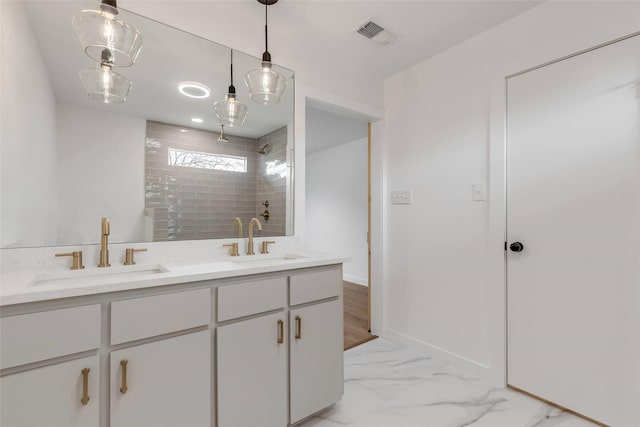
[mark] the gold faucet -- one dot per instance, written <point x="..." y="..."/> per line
<point x="233" y="251"/>
<point x="77" y="259"/>
<point x="128" y="255"/>
<point x="238" y="222"/>
<point x="265" y="246"/>
<point x="104" y="244"/>
<point x="250" y="242"/>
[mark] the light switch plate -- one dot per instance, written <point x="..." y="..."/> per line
<point x="479" y="192"/>
<point x="401" y="197"/>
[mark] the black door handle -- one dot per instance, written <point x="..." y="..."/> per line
<point x="516" y="247"/>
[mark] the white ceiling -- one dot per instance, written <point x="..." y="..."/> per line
<point x="327" y="126"/>
<point x="317" y="38"/>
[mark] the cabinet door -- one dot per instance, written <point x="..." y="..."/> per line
<point x="252" y="373"/>
<point x="168" y="383"/>
<point x="316" y="358"/>
<point x="51" y="396"/>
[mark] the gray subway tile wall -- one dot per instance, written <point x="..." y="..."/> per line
<point x="271" y="181"/>
<point x="186" y="203"/>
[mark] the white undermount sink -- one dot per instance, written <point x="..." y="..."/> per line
<point x="101" y="276"/>
<point x="268" y="259"/>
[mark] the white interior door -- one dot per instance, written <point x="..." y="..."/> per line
<point x="573" y="201"/>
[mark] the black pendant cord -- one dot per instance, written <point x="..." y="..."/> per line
<point x="266" y="56"/>
<point x="232" y="88"/>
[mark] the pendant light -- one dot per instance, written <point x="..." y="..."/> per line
<point x="265" y="85"/>
<point x="103" y="84"/>
<point x="99" y="29"/>
<point x="230" y="111"/>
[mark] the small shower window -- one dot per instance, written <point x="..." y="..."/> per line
<point x="200" y="160"/>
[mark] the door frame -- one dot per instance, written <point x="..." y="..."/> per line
<point x="375" y="117"/>
<point x="369" y="225"/>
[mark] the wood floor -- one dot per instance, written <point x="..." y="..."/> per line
<point x="356" y="320"/>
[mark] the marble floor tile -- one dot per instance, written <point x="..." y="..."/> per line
<point x="357" y="402"/>
<point x="389" y="385"/>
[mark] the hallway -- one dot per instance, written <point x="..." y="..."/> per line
<point x="356" y="319"/>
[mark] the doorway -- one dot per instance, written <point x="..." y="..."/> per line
<point x="338" y="211"/>
<point x="573" y="233"/>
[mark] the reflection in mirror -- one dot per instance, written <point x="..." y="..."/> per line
<point x="154" y="165"/>
<point x="194" y="192"/>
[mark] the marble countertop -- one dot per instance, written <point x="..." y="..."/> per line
<point x="33" y="285"/>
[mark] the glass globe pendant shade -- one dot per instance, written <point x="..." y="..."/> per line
<point x="230" y="111"/>
<point x="265" y="85"/>
<point x="105" y="85"/>
<point x="99" y="29"/>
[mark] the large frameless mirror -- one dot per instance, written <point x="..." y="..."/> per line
<point x="156" y="165"/>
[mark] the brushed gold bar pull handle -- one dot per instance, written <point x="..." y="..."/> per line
<point x="280" y="331"/>
<point x="298" y="327"/>
<point x="123" y="365"/>
<point x="85" y="386"/>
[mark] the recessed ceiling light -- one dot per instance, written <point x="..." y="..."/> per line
<point x="183" y="130"/>
<point x="194" y="90"/>
<point x="196" y="120"/>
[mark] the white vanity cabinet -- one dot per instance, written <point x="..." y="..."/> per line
<point x="316" y="342"/>
<point x="166" y="382"/>
<point x="46" y="381"/>
<point x="249" y="350"/>
<point x="304" y="337"/>
<point x="252" y="354"/>
<point x="52" y="396"/>
<point x="252" y="372"/>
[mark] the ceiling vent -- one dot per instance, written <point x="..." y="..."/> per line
<point x="378" y="34"/>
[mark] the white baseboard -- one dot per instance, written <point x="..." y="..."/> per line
<point x="456" y="360"/>
<point x="356" y="280"/>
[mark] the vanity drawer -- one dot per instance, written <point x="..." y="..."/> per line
<point x="245" y="299"/>
<point x="39" y="336"/>
<point x="146" y="317"/>
<point x="317" y="285"/>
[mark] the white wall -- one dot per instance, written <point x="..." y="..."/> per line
<point x="336" y="211"/>
<point x="112" y="186"/>
<point x="445" y="118"/>
<point x="28" y="140"/>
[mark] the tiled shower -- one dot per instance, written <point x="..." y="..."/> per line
<point x="197" y="190"/>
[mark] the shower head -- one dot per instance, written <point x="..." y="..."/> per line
<point x="222" y="138"/>
<point x="262" y="150"/>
